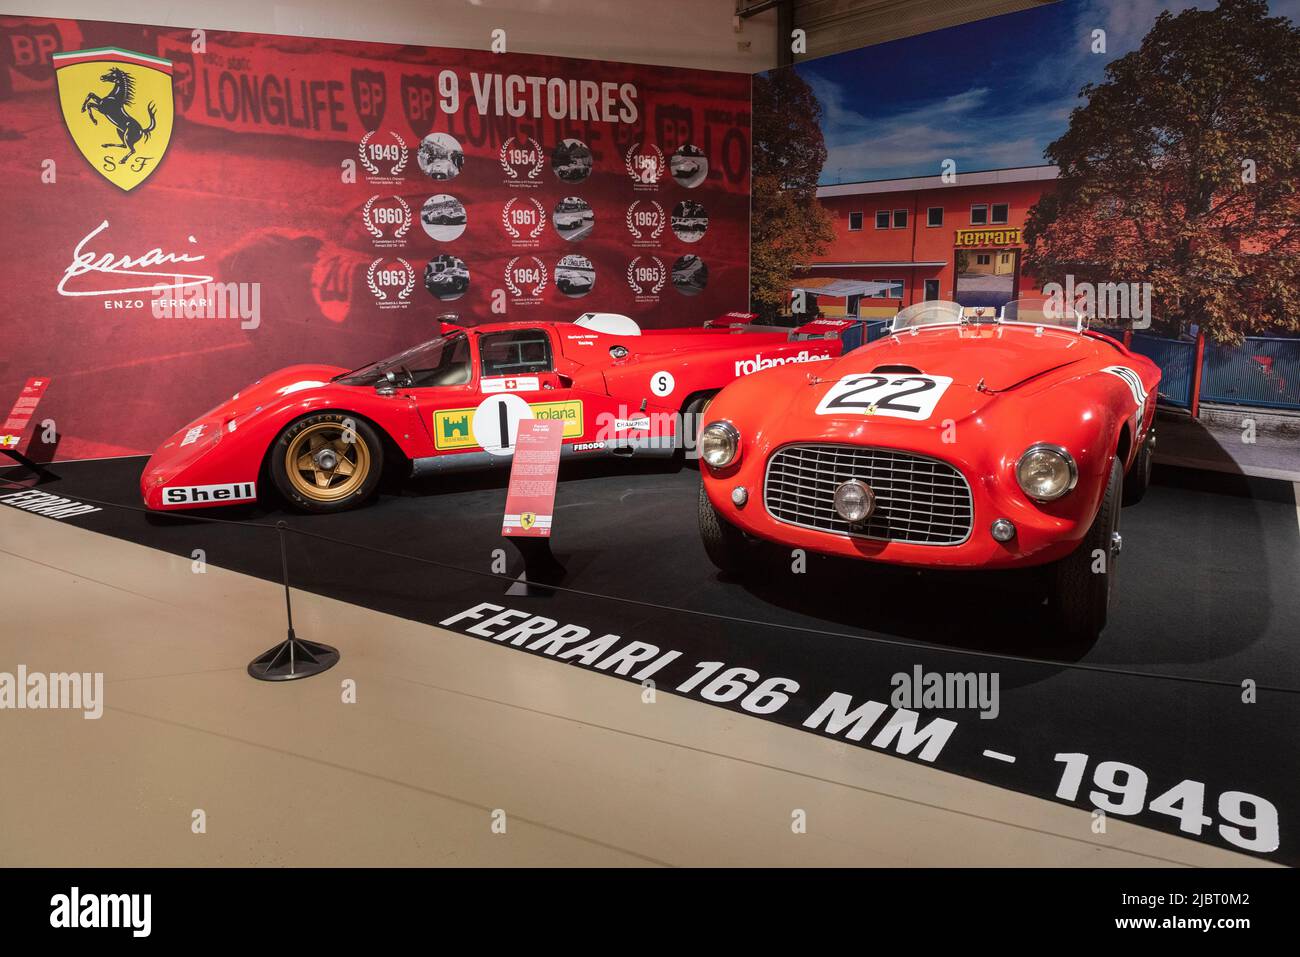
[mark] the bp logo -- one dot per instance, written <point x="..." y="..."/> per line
<point x="523" y="220"/>
<point x="645" y="169"/>
<point x="391" y="282"/>
<point x="645" y="221"/>
<point x="387" y="220"/>
<point x="522" y="157"/>
<point x="526" y="278"/>
<point x="383" y="157"/>
<point x="118" y="108"/>
<point x="646" y="275"/>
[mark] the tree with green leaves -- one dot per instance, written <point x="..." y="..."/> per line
<point x="788" y="227"/>
<point x="1182" y="169"/>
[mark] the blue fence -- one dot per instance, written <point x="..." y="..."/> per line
<point x="1260" y="372"/>
<point x="1177" y="361"/>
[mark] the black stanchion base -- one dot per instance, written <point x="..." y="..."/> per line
<point x="541" y="568"/>
<point x="293" y="658"/>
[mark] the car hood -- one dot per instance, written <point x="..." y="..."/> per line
<point x="273" y="388"/>
<point x="1002" y="357"/>
<point x="987" y="366"/>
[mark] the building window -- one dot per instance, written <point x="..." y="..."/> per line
<point x="934" y="216"/>
<point x="931" y="290"/>
<point x="893" y="290"/>
<point x="900" y="219"/>
<point x="855" y="222"/>
<point x="1006" y="258"/>
<point x="999" y="216"/>
<point x="982" y="259"/>
<point x="882" y="219"/>
<point x="979" y="214"/>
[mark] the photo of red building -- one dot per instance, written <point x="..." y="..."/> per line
<point x="920" y="238"/>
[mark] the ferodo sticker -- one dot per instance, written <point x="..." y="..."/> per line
<point x="901" y="396"/>
<point x="496" y="421"/>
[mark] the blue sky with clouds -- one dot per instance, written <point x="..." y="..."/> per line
<point x="989" y="94"/>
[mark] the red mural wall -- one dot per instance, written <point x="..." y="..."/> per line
<point x="241" y="202"/>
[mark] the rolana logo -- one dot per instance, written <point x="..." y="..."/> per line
<point x="387" y="220"/>
<point x="121" y="97"/>
<point x="526" y="278"/>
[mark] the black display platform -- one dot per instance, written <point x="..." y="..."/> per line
<point x="1207" y="600"/>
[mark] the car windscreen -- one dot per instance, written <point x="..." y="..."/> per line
<point x="1042" y="312"/>
<point x="438" y="362"/>
<point x="933" y="313"/>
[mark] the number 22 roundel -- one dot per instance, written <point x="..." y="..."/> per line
<point x="905" y="396"/>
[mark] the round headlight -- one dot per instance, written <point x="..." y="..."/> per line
<point x="719" y="444"/>
<point x="1046" y="472"/>
<point x="854" y="501"/>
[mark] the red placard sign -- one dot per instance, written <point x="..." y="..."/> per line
<point x="530" y="501"/>
<point x="20" y="416"/>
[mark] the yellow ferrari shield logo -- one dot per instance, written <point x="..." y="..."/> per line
<point x="527" y="520"/>
<point x="118" y="107"/>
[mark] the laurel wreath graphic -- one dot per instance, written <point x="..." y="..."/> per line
<point x="378" y="233"/>
<point x="660" y="220"/>
<point x="661" y="272"/>
<point x="663" y="275"/>
<point x="513" y="173"/>
<point x="378" y="291"/>
<point x="401" y="230"/>
<point x="365" y="214"/>
<point x="370" y="281"/>
<point x="510" y="227"/>
<point x="405" y="154"/>
<point x="638" y="177"/>
<point x="370" y="167"/>
<point x="538" y="289"/>
<point x="410" y="280"/>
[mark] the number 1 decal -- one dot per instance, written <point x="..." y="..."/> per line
<point x="902" y="396"/>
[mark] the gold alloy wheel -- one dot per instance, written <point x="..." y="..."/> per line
<point x="326" y="462"/>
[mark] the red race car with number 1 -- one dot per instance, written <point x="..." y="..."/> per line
<point x="322" y="435"/>
<point x="957" y="441"/>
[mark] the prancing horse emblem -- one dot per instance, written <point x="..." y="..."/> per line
<point x="112" y="106"/>
<point x="137" y="104"/>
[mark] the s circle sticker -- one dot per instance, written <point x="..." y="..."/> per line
<point x="662" y="384"/>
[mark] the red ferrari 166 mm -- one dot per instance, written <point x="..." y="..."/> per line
<point x="954" y="442"/>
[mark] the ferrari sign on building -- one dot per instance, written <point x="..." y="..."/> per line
<point x="1006" y="236"/>
<point x="118" y="108"/>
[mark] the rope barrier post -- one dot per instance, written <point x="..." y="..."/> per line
<point x="294" y="657"/>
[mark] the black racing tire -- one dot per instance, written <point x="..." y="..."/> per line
<point x="1138" y="479"/>
<point x="693" y="422"/>
<point x="354" y="444"/>
<point x="1079" y="596"/>
<point x="723" y="542"/>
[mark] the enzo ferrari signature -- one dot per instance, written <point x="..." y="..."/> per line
<point x="136" y="267"/>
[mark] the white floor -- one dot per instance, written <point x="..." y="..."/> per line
<point x="447" y="736"/>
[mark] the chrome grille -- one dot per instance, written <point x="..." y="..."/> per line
<point x="918" y="499"/>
